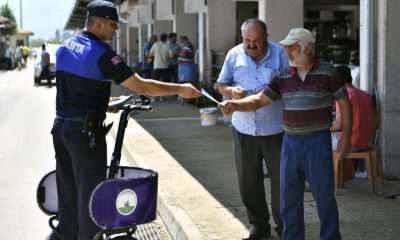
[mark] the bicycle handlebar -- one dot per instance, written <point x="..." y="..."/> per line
<point x="141" y="108"/>
<point x="127" y="102"/>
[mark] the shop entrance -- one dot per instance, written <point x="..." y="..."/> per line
<point x="336" y="28"/>
<point x="244" y="10"/>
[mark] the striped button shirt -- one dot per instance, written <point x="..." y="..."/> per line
<point x="307" y="104"/>
<point x="240" y="69"/>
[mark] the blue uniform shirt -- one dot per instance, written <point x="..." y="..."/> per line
<point x="85" y="67"/>
<point x="240" y="69"/>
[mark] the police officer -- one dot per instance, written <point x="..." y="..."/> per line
<point x="84" y="65"/>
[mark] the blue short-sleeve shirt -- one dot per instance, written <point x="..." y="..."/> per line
<point x="240" y="69"/>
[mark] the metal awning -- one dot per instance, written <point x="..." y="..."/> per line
<point x="24" y="32"/>
<point x="77" y="17"/>
<point x="6" y="23"/>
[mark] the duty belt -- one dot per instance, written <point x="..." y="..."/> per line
<point x="91" y="133"/>
<point x="73" y="119"/>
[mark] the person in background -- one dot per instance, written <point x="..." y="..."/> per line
<point x="8" y="55"/>
<point x="186" y="54"/>
<point x="363" y="116"/>
<point x="147" y="59"/>
<point x="173" y="62"/>
<point x="247" y="70"/>
<point x="18" y="57"/>
<point x="45" y="63"/>
<point x="162" y="54"/>
<point x="85" y="65"/>
<point x="25" y="54"/>
<point x="307" y="90"/>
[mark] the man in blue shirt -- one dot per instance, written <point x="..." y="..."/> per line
<point x="247" y="70"/>
<point x="148" y="61"/>
<point x="85" y="65"/>
<point x="173" y="62"/>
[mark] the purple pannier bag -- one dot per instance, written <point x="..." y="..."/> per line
<point x="129" y="200"/>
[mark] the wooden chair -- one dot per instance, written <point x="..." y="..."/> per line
<point x="374" y="165"/>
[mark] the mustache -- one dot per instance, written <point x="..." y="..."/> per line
<point x="252" y="48"/>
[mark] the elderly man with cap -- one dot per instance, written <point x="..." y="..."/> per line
<point x="307" y="89"/>
<point x="85" y="64"/>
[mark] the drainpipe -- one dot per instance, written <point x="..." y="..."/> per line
<point x="201" y="46"/>
<point x="140" y="42"/>
<point x="128" y="48"/>
<point x="367" y="50"/>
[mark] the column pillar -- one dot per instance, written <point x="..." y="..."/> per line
<point x="280" y="18"/>
<point x="388" y="85"/>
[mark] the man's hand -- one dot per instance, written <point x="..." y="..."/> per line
<point x="187" y="90"/>
<point x="227" y="107"/>
<point x="344" y="147"/>
<point x="238" y="93"/>
<point x="112" y="99"/>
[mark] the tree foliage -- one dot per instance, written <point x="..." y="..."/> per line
<point x="6" y="11"/>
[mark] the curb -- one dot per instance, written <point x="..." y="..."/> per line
<point x="178" y="223"/>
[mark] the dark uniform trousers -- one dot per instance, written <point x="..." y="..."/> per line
<point x="249" y="152"/>
<point x="79" y="169"/>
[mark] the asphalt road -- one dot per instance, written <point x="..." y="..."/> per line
<point x="26" y="153"/>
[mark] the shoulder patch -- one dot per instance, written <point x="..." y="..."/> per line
<point x="115" y="60"/>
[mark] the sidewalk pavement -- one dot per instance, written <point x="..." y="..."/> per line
<point x="198" y="194"/>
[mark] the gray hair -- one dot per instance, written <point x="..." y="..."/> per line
<point x="304" y="44"/>
<point x="255" y="21"/>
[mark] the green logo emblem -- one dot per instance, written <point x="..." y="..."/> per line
<point x="126" y="202"/>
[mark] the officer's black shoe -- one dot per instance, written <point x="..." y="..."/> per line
<point x="259" y="232"/>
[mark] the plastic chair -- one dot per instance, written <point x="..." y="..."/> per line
<point x="371" y="157"/>
<point x="374" y="165"/>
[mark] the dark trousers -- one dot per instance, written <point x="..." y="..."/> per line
<point x="249" y="152"/>
<point x="308" y="157"/>
<point x="173" y="70"/>
<point x="9" y="64"/>
<point x="161" y="74"/>
<point x="79" y="169"/>
<point x="147" y="73"/>
<point x="45" y="74"/>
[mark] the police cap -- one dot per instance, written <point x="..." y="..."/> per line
<point x="104" y="9"/>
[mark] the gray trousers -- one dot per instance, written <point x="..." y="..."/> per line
<point x="249" y="152"/>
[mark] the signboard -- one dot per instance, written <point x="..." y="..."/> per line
<point x="195" y="6"/>
<point x="145" y="14"/>
<point x="144" y="2"/>
<point x="133" y="18"/>
<point x="164" y="10"/>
